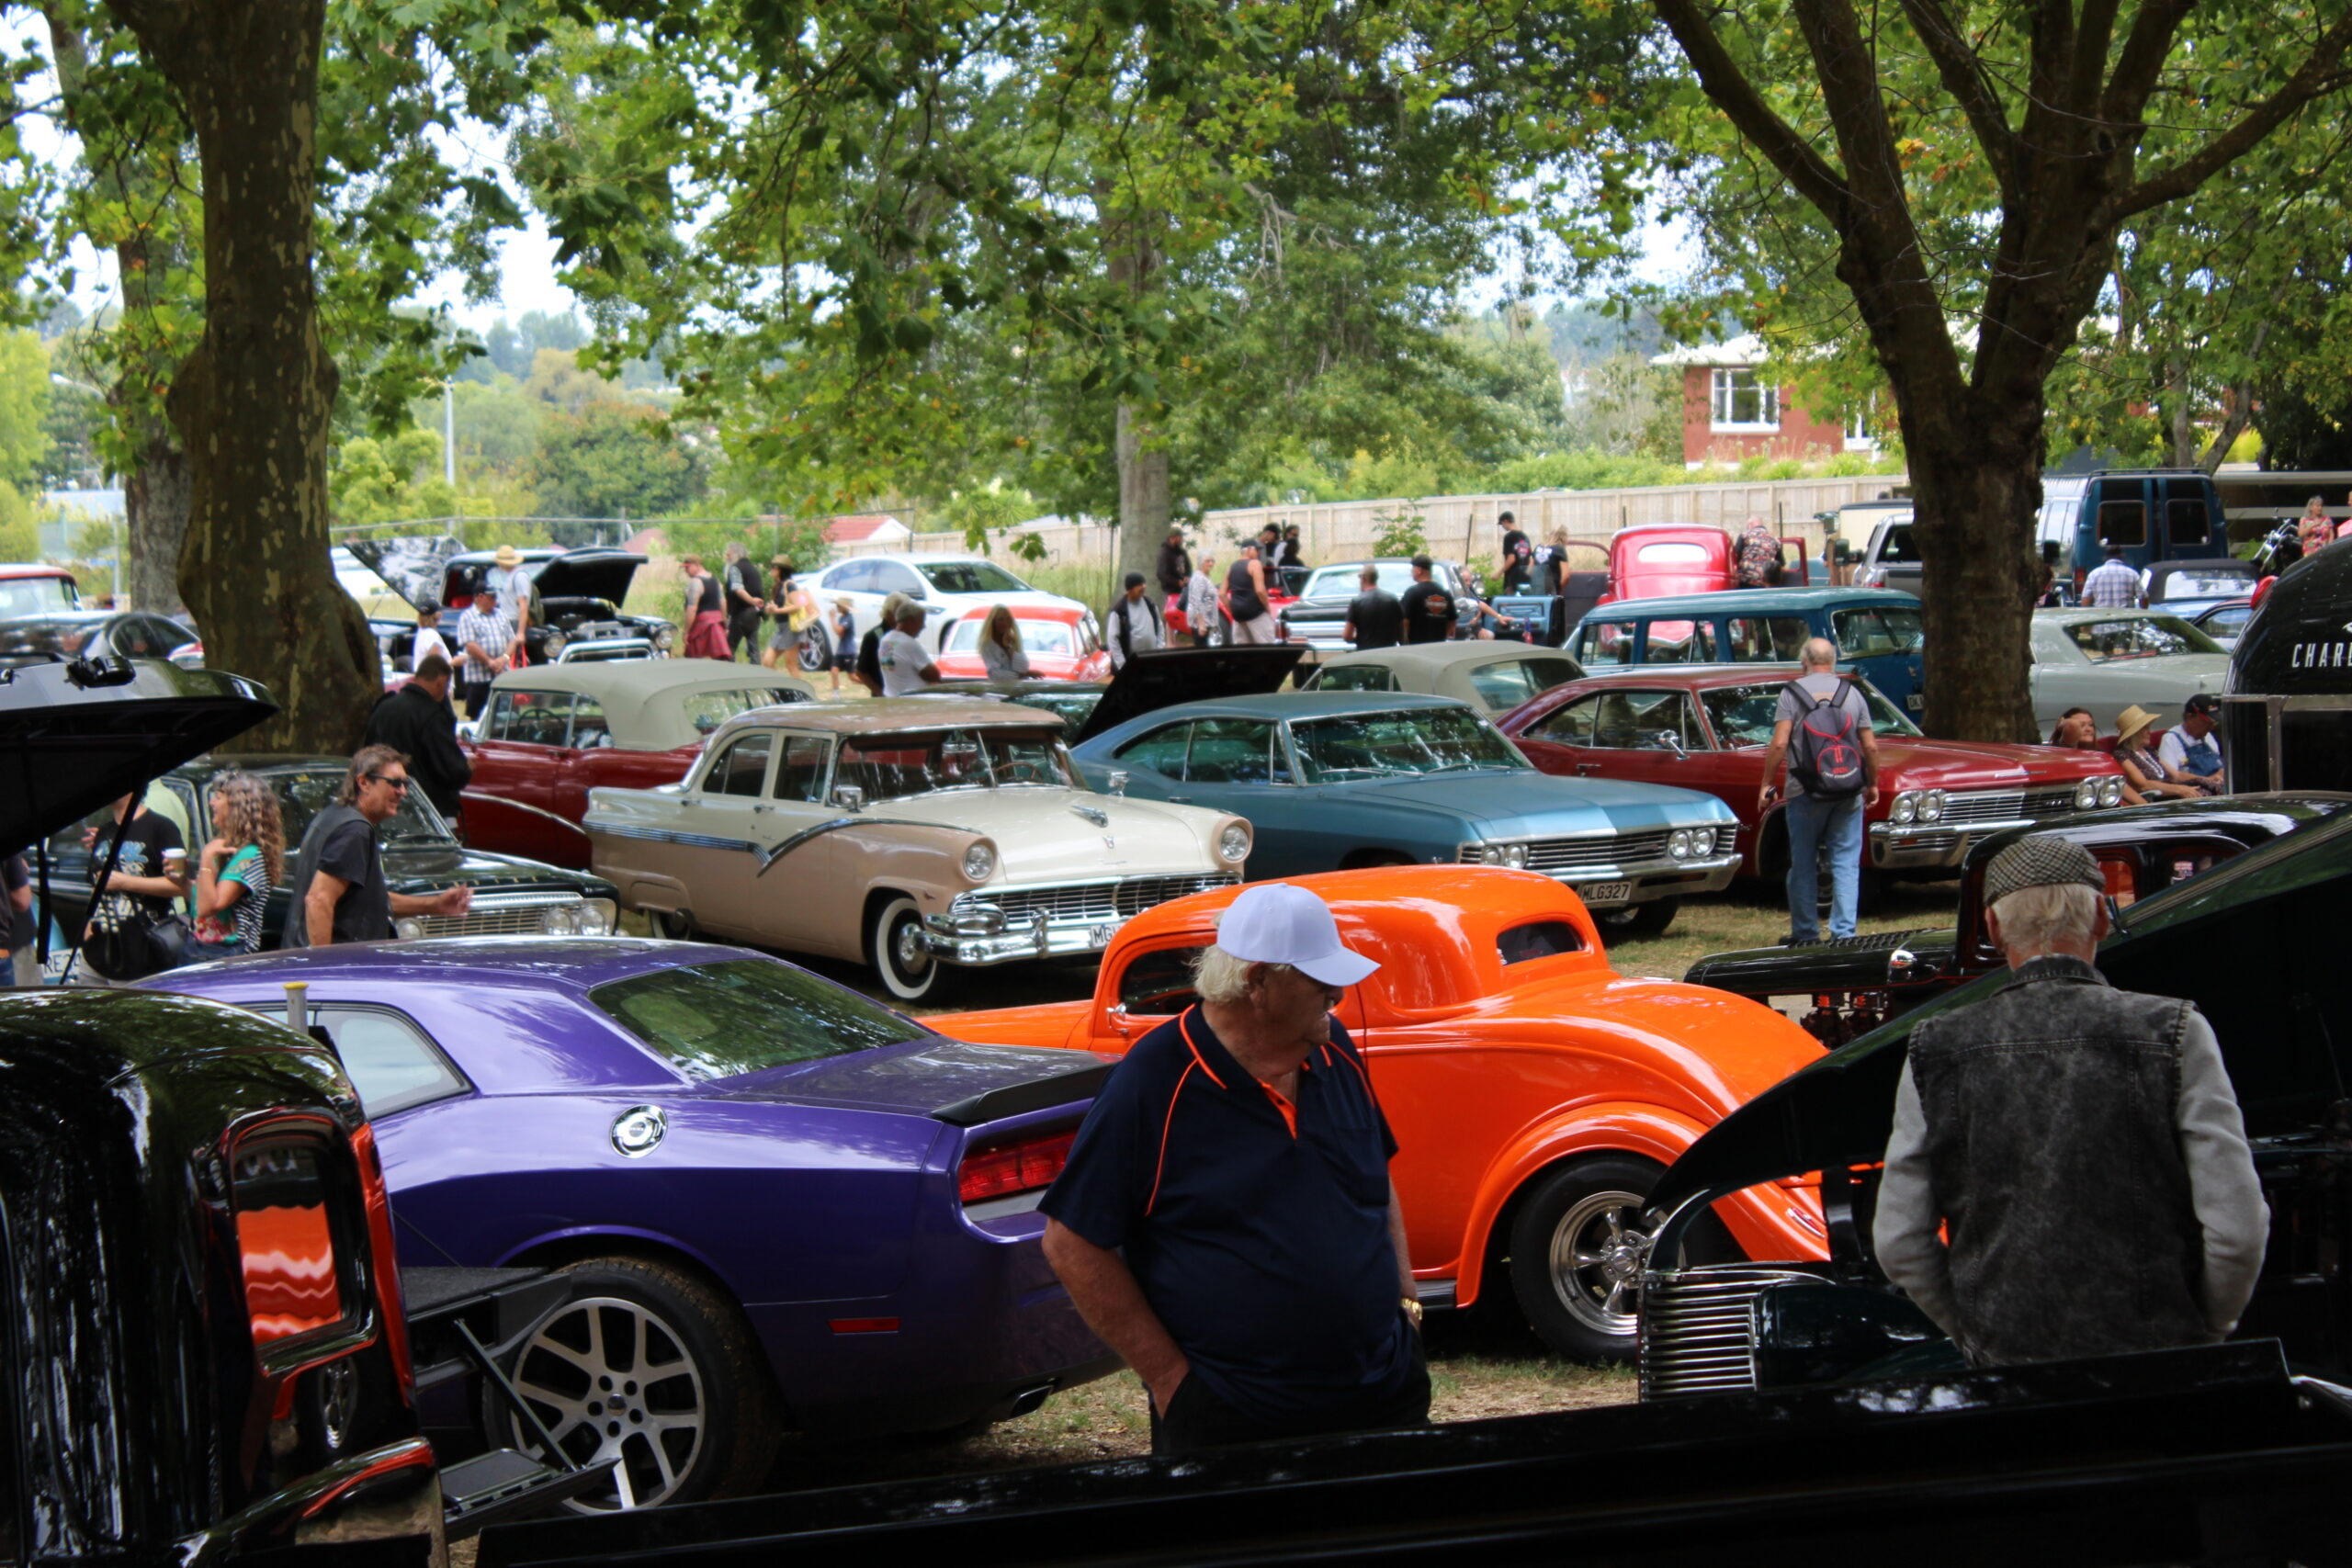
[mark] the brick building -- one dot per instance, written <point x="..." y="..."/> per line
<point x="1731" y="411"/>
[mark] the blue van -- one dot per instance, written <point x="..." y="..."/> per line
<point x="2150" y="514"/>
<point x="1876" y="629"/>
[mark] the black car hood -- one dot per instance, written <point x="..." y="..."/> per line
<point x="589" y="574"/>
<point x="412" y="565"/>
<point x="2300" y="640"/>
<point x="76" y="737"/>
<point x="1847" y="963"/>
<point x="1166" y="676"/>
<point x="419" y="866"/>
<point x="1839" y="1109"/>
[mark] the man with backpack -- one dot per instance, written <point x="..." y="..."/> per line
<point x="1823" y="729"/>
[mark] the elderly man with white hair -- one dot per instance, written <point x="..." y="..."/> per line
<point x="1822" y="725"/>
<point x="1227" y="1221"/>
<point x="2080" y="1147"/>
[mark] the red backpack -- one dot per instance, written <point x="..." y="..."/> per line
<point x="1825" y="753"/>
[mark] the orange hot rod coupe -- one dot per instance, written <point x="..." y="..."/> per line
<point x="1536" y="1094"/>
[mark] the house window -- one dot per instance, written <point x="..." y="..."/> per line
<point x="1858" y="431"/>
<point x="1742" y="402"/>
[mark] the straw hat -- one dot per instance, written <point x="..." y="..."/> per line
<point x="2130" y="722"/>
<point x="507" y="556"/>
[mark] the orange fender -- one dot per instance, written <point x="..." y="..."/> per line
<point x="1770" y="1222"/>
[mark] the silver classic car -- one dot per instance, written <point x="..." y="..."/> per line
<point x="907" y="834"/>
<point x="2107" y="660"/>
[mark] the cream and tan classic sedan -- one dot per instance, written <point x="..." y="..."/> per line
<point x="908" y="834"/>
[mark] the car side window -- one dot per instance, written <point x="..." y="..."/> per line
<point x="1863" y="634"/>
<point x="1631" y="721"/>
<point x="743" y="767"/>
<point x="889" y="577"/>
<point x="391" y="1063"/>
<point x="1679" y="642"/>
<point x="589" y="728"/>
<point x="1229" y="751"/>
<point x="1510" y="681"/>
<point x="1159" y="983"/>
<point x="1764" y="640"/>
<point x="801" y="774"/>
<point x="1356" y="678"/>
<point x="1604" y="643"/>
<point x="1162" y="750"/>
<point x="1744" y="715"/>
<point x="540" y="718"/>
<point x="1569" y="725"/>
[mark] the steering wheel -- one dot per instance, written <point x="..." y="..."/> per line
<point x="1021" y="772"/>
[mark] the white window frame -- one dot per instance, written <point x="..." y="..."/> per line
<point x="1731" y="383"/>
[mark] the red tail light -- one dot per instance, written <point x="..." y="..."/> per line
<point x="381" y="1245"/>
<point x="1007" y="1168"/>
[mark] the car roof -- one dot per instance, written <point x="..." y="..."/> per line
<point x="1278" y="706"/>
<point x="546" y="962"/>
<point x="1667" y="528"/>
<point x="640" y="696"/>
<point x="881" y="716"/>
<point x="1691" y="677"/>
<point x="1433" y="656"/>
<point x="34" y="569"/>
<point x="1735" y="601"/>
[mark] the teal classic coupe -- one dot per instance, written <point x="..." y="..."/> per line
<point x="1335" y="780"/>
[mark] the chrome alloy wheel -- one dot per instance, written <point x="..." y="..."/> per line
<point x="613" y="1380"/>
<point x="1599" y="1250"/>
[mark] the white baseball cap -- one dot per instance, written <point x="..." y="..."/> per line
<point x="1280" y="922"/>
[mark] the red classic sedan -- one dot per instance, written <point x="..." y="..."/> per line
<point x="553" y="732"/>
<point x="1063" y="643"/>
<point x="1707" y="728"/>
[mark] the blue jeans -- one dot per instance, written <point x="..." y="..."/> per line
<point x="1812" y="821"/>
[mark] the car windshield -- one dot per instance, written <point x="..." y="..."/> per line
<point x="708" y="710"/>
<point x="1508" y="682"/>
<point x="1877" y="631"/>
<point x="1743" y="715"/>
<point x="1341" y="581"/>
<point x="892" y="767"/>
<point x="1419" y="740"/>
<point x="303" y="792"/>
<point x="972" y="577"/>
<point x="2207" y="584"/>
<point x="715" y="1020"/>
<point x="2139" y="637"/>
<point x="1036" y="636"/>
<point x="36" y="596"/>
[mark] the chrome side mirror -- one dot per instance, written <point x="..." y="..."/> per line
<point x="849" y="797"/>
<point x="1672" y="741"/>
<point x="1116" y="782"/>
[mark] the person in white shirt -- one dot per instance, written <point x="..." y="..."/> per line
<point x="2190" y="752"/>
<point x="2114" y="586"/>
<point x="1001" y="656"/>
<point x="514" y="587"/>
<point x="1200" y="602"/>
<point x="1134" y="624"/>
<point x="428" y="637"/>
<point x="906" y="666"/>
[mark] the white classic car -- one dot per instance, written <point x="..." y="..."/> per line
<point x="2107" y="660"/>
<point x="1493" y="677"/>
<point x="908" y="834"/>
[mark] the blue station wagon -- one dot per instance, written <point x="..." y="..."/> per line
<point x="1335" y="780"/>
<point x="1877" y="632"/>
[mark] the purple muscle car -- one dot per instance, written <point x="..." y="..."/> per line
<point x="782" y="1204"/>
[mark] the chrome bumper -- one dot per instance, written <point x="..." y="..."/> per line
<point x="1666" y="879"/>
<point x="975" y="932"/>
<point x="1929" y="845"/>
<point x="606" y="650"/>
<point x="1035" y="938"/>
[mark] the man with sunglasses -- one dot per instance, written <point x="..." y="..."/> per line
<point x="339" y="892"/>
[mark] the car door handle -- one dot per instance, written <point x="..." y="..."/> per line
<point x="1588" y="767"/>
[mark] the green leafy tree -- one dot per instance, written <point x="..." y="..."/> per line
<point x="614" y="459"/>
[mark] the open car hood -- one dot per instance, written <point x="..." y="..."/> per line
<point x="412" y="565"/>
<point x="1166" y="676"/>
<point x="74" y="737"/>
<point x="589" y="574"/>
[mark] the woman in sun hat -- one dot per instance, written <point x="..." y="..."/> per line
<point x="2142" y="774"/>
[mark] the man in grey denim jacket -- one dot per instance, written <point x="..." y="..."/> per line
<point x="2081" y="1143"/>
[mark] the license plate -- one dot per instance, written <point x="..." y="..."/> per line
<point x="1916" y="701"/>
<point x="1606" y="892"/>
<point x="1100" y="935"/>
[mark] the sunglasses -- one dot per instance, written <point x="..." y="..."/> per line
<point x="400" y="784"/>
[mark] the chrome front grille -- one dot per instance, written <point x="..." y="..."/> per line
<point x="1086" y="903"/>
<point x="1598" y="853"/>
<point x="503" y="914"/>
<point x="1971" y="806"/>
<point x="1698" y="1328"/>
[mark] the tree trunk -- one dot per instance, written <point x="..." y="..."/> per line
<point x="1973" y="518"/>
<point x="1134" y="264"/>
<point x="252" y="404"/>
<point x="155" y="508"/>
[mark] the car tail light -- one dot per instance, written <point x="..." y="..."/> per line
<point x="382" y="1249"/>
<point x="1007" y="1168"/>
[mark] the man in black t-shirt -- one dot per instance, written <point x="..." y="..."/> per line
<point x="150" y="874"/>
<point x="1428" y="607"/>
<point x="1375" y="617"/>
<point x="339" y="892"/>
<point x="1519" y="559"/>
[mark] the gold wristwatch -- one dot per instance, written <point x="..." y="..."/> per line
<point x="1412" y="1305"/>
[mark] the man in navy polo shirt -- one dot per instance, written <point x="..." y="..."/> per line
<point x="1227" y="1221"/>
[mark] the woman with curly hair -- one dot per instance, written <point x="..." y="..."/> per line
<point x="245" y="859"/>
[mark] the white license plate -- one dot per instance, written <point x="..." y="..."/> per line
<point x="1100" y="935"/>
<point x="1606" y="892"/>
<point x="1916" y="701"/>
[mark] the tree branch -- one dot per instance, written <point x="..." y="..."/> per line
<point x="1745" y="109"/>
<point x="2145" y="49"/>
<point x="2319" y="75"/>
<point x="1965" y="79"/>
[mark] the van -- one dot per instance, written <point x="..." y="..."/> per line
<point x="2151" y="514"/>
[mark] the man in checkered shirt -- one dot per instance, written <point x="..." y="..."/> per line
<point x="2114" y="586"/>
<point x="483" y="635"/>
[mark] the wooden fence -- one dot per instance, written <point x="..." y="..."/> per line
<point x="1462" y="527"/>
